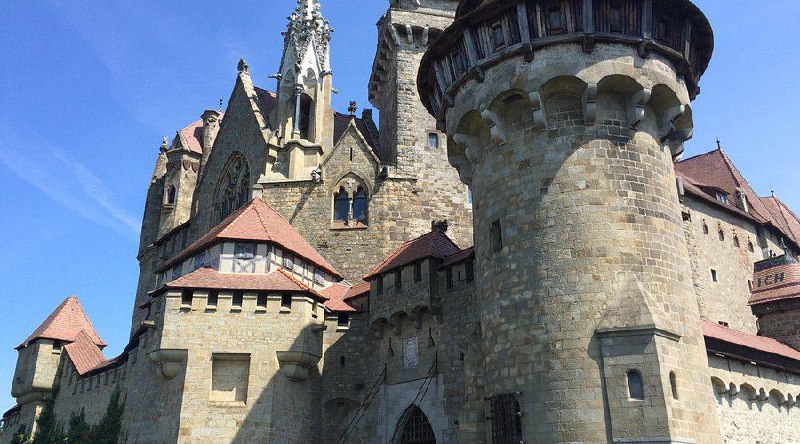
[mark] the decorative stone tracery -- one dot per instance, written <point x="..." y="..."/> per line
<point x="233" y="188"/>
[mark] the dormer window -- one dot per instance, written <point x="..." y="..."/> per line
<point x="319" y="277"/>
<point x="288" y="261"/>
<point x="201" y="260"/>
<point x="722" y="197"/>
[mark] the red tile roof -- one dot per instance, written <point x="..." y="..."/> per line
<point x="357" y="290"/>
<point x="336" y="295"/>
<point x="760" y="343"/>
<point x="194" y="136"/>
<point x="779" y="280"/>
<point x="256" y="221"/>
<point x="342" y="121"/>
<point x="431" y="245"/>
<point x="64" y="324"/>
<point x="266" y="100"/>
<point x="461" y="256"/>
<point x="208" y="278"/>
<point x="716" y="170"/>
<point x="84" y="354"/>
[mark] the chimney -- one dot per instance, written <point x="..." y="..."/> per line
<point x="439" y="225"/>
<point x="210" y="128"/>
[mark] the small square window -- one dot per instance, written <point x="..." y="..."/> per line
<point x="433" y="141"/>
<point x="286" y="301"/>
<point x="213" y="297"/>
<point x="496" y="236"/>
<point x="237" y="299"/>
<point x="343" y="320"/>
<point x="186" y="297"/>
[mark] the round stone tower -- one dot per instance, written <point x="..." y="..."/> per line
<point x="565" y="117"/>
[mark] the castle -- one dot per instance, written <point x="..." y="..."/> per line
<point x="309" y="276"/>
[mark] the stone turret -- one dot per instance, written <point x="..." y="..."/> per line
<point x="775" y="299"/>
<point x="565" y="118"/>
<point x="211" y="123"/>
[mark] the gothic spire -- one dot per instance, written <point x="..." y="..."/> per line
<point x="307" y="28"/>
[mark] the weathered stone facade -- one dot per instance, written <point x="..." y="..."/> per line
<point x="605" y="299"/>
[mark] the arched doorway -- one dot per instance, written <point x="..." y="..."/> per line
<point x="416" y="429"/>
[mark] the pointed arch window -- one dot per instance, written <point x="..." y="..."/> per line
<point x="341" y="206"/>
<point x="361" y="206"/>
<point x="233" y="189"/>
<point x="172" y="195"/>
<point x="417" y="429"/>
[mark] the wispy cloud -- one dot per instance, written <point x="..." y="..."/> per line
<point x="64" y="179"/>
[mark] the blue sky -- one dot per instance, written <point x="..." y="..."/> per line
<point x="88" y="89"/>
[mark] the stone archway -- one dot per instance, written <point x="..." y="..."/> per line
<point x="414" y="428"/>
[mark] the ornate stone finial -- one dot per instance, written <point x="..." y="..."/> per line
<point x="352" y="108"/>
<point x="243" y="66"/>
<point x="164" y="144"/>
<point x="220" y="104"/>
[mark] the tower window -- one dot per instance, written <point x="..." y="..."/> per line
<point x="750" y="246"/>
<point x="470" y="269"/>
<point x="736" y="242"/>
<point x="418" y="272"/>
<point x="286" y="301"/>
<point x="449" y="275"/>
<point x="186" y="297"/>
<point x="172" y="195"/>
<point x="714" y="275"/>
<point x="705" y="228"/>
<point x="343" y="320"/>
<point x="236" y="301"/>
<point x="433" y="140"/>
<point x="380" y="284"/>
<point x="673" y="383"/>
<point x="635" y="385"/>
<point x="398" y="279"/>
<point x="496" y="236"/>
<point x="721" y="235"/>
<point x="341" y="206"/>
<point x="361" y="206"/>
<point x="213" y="297"/>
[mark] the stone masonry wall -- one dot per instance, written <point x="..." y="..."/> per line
<point x="745" y="414"/>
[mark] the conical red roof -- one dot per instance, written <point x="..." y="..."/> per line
<point x="64" y="324"/>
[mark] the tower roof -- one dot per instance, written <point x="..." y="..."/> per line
<point x="435" y="244"/>
<point x="774" y="279"/>
<point x="256" y="221"/>
<point x="65" y="324"/>
<point x="84" y="353"/>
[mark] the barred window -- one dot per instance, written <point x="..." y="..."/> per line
<point x="505" y="419"/>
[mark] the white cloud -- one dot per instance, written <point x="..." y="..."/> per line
<point x="65" y="180"/>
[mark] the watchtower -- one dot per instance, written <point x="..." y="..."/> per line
<point x="565" y="117"/>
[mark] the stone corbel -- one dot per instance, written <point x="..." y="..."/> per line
<point x="733" y="390"/>
<point x="637" y="106"/>
<point x="497" y="127"/>
<point x="673" y="137"/>
<point x="296" y="365"/>
<point x="425" y="33"/>
<point x="169" y="363"/>
<point x="539" y="114"/>
<point x="590" y="104"/>
<point x="473" y="152"/>
<point x="395" y="35"/>
<point x="410" y="34"/>
<point x="762" y="396"/>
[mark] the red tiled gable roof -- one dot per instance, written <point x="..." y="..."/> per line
<point x="256" y="221"/>
<point x="716" y="170"/>
<point x="84" y="354"/>
<point x="434" y="244"/>
<point x="760" y="343"/>
<point x="780" y="279"/>
<point x="336" y="295"/>
<point x="782" y="216"/>
<point x="461" y="256"/>
<point x="208" y="278"/>
<point x="357" y="290"/>
<point x="64" y="324"/>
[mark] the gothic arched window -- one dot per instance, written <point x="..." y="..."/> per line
<point x="341" y="206"/>
<point x="361" y="206"/>
<point x="171" y="195"/>
<point x="233" y="189"/>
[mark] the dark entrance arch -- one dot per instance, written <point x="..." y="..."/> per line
<point x="414" y="427"/>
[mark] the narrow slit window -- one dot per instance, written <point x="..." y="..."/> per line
<point x="398" y="279"/>
<point x="449" y="274"/>
<point x="673" y="383"/>
<point x="418" y="272"/>
<point x="496" y="236"/>
<point x="470" y="270"/>
<point x="714" y="275"/>
<point x="261" y="301"/>
<point x="635" y="385"/>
